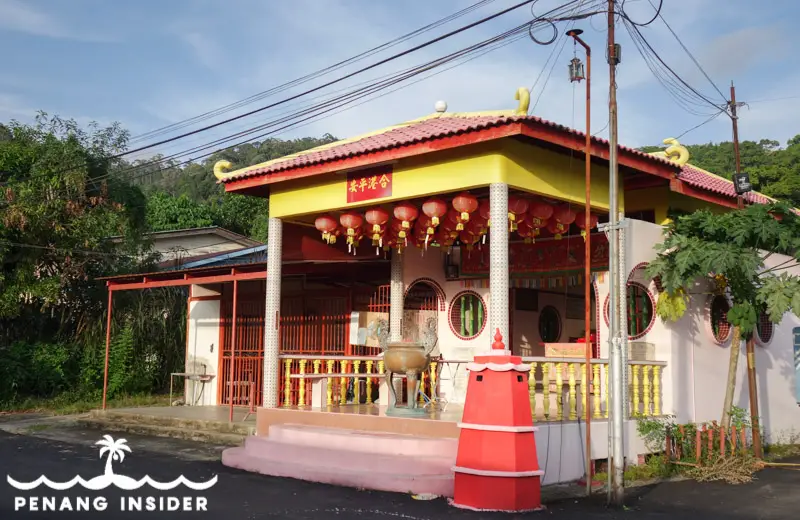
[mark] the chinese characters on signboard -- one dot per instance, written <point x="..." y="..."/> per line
<point x="369" y="184"/>
<point x="546" y="256"/>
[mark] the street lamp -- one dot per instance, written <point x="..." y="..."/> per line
<point x="576" y="73"/>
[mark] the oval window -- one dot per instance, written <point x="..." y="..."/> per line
<point x="764" y="327"/>
<point x="718" y="318"/>
<point x="467" y="315"/>
<point x="549" y="325"/>
<point x="640" y="311"/>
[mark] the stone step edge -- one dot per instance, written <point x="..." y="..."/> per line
<point x="205" y="436"/>
<point x="360" y="433"/>
<point x="338" y="469"/>
<point x="167" y="421"/>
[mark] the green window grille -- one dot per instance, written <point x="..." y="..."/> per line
<point x="640" y="310"/>
<point x="467" y="315"/>
<point x="549" y="325"/>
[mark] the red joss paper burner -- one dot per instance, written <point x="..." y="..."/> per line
<point x="496" y="467"/>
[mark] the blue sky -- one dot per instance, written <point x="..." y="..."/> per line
<point x="149" y="63"/>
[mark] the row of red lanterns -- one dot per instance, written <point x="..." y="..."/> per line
<point x="467" y="220"/>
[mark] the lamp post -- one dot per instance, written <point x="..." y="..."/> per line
<point x="576" y="73"/>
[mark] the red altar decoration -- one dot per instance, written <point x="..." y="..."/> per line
<point x="543" y="256"/>
<point x="369" y="184"/>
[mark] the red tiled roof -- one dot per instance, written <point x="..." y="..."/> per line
<point x="426" y="130"/>
<point x="701" y="179"/>
<point x="441" y="127"/>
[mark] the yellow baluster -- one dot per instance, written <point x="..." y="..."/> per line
<point x="646" y="378"/>
<point x="596" y="390"/>
<point x="573" y="402"/>
<point x="422" y="380"/>
<point x="301" y="398"/>
<point x="605" y="388"/>
<point x="369" y="381"/>
<point x="584" y="389"/>
<point x="343" y="382"/>
<point x="635" y="402"/>
<point x="559" y="392"/>
<point x="381" y="370"/>
<point x="330" y="382"/>
<point x="656" y="390"/>
<point x="532" y="387"/>
<point x="356" y="382"/>
<point x="317" y="363"/>
<point x="434" y="393"/>
<point x="287" y="383"/>
<point x="546" y="367"/>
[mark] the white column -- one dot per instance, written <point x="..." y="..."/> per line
<point x="396" y="297"/>
<point x="498" y="261"/>
<point x="272" y="313"/>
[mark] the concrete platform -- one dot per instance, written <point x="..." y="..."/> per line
<point x="363" y="459"/>
<point x="365" y="418"/>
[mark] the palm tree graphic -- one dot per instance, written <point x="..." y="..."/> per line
<point x="115" y="449"/>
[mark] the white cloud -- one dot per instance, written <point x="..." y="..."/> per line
<point x="22" y="17"/>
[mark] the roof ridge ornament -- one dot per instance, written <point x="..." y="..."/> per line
<point x="523" y="95"/>
<point x="674" y="152"/>
<point x="221" y="169"/>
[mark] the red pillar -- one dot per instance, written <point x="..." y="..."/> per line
<point x="233" y="347"/>
<point x="108" y="347"/>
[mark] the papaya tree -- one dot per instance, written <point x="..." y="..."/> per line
<point x="728" y="252"/>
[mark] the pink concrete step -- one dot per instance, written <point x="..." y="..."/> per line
<point x="365" y="461"/>
<point x="293" y="453"/>
<point x="369" y="442"/>
<point x="384" y="478"/>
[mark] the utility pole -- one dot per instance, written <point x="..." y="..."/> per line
<point x="616" y="490"/>
<point x="742" y="185"/>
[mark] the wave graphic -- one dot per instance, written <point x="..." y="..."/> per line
<point x="105" y="481"/>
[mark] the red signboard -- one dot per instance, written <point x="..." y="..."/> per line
<point x="374" y="183"/>
<point x="546" y="256"/>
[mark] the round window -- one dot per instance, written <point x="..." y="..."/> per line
<point x="718" y="318"/>
<point x="640" y="311"/>
<point x="549" y="325"/>
<point x="467" y="315"/>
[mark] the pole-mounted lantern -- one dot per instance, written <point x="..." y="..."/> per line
<point x="576" y="71"/>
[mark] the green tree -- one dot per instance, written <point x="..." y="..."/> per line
<point x="59" y="208"/>
<point x="728" y="252"/>
<point x="166" y="213"/>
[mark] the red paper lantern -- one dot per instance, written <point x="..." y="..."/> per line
<point x="377" y="217"/>
<point x="564" y="215"/>
<point x="406" y="213"/>
<point x="580" y="221"/>
<point x="542" y="210"/>
<point x="351" y="222"/>
<point x="468" y="239"/>
<point x="434" y="209"/>
<point x="339" y="231"/>
<point x="525" y="231"/>
<point x="557" y="228"/>
<point x="325" y="224"/>
<point x="517" y="207"/>
<point x="465" y="203"/>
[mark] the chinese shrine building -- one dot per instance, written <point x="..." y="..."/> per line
<point x="475" y="220"/>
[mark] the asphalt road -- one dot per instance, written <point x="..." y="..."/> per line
<point x="241" y="495"/>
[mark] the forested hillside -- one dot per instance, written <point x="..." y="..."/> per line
<point x="774" y="170"/>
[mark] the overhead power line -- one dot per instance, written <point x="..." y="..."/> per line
<point x="329" y="83"/>
<point x="319" y="110"/>
<point x="308" y="77"/>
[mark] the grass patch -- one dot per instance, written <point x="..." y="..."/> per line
<point x="68" y="404"/>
